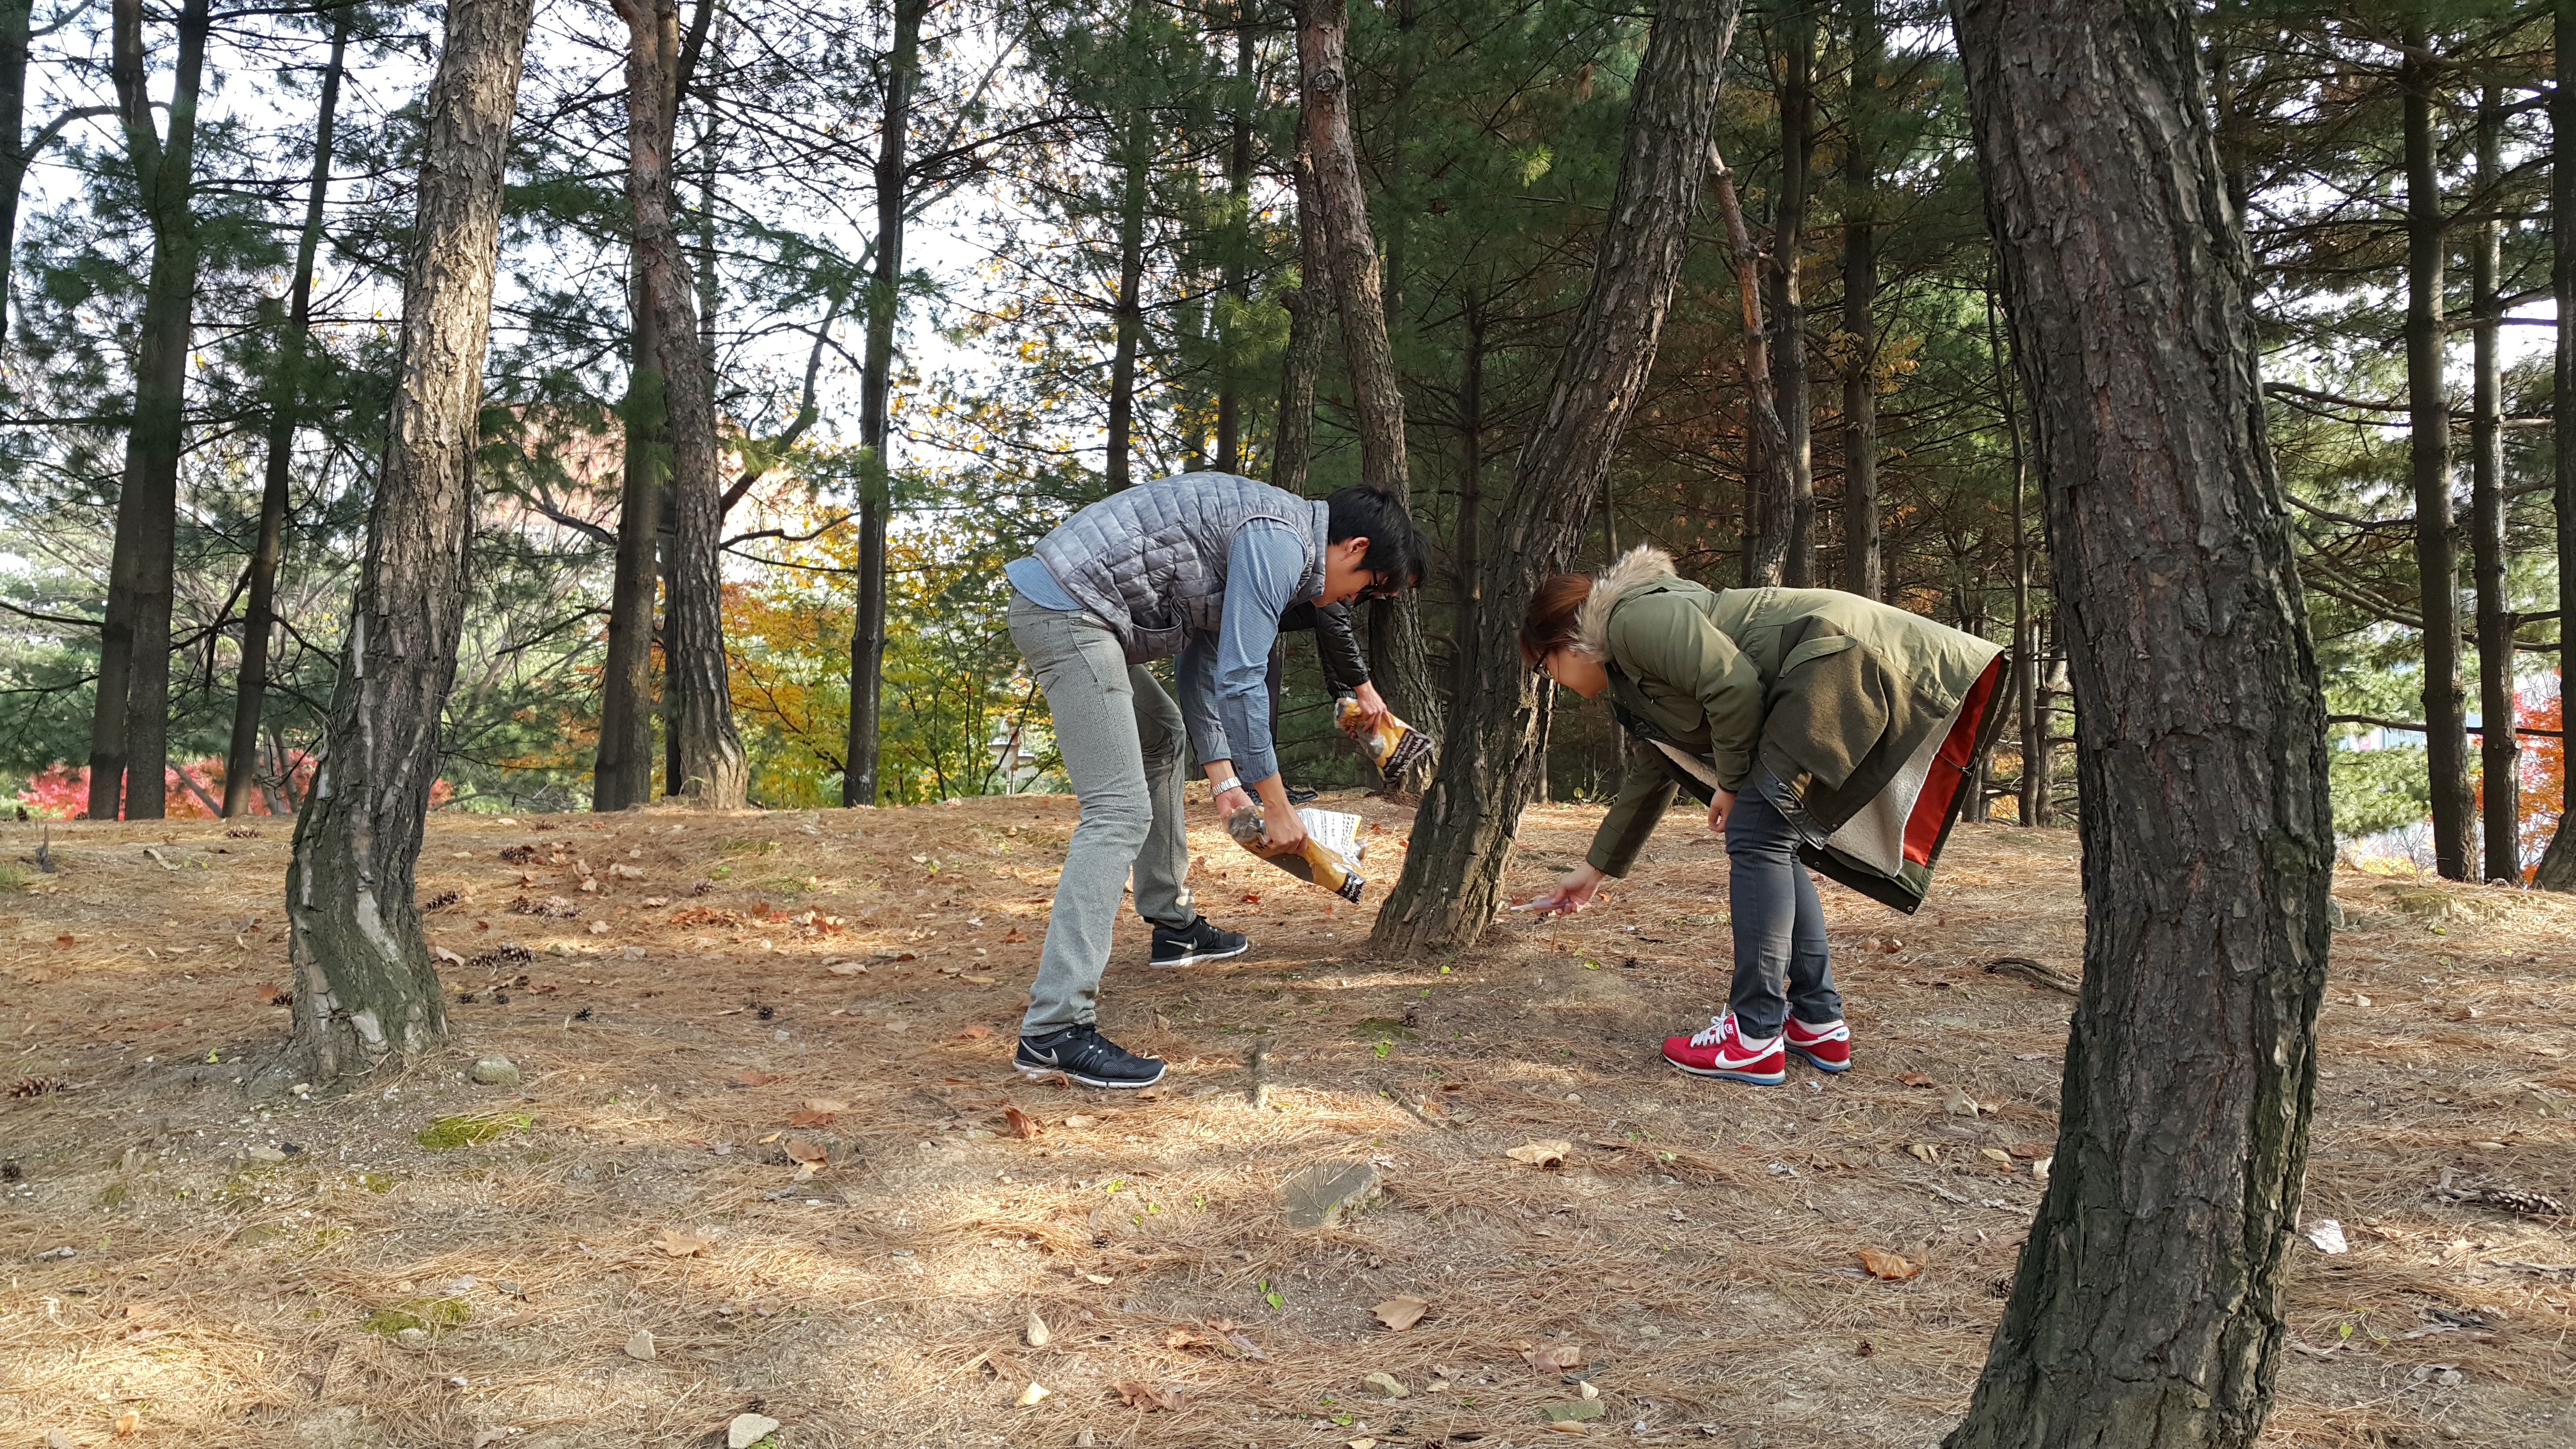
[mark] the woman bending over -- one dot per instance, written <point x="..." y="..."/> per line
<point x="1822" y="730"/>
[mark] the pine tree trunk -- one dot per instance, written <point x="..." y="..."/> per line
<point x="2147" y="1310"/>
<point x="713" y="770"/>
<point x="1238" y="248"/>
<point x="2499" y="749"/>
<point x="2557" y="870"/>
<point x="16" y="153"/>
<point x="2429" y="408"/>
<point x="130" y="718"/>
<point x="1861" y="562"/>
<point x="1310" y="308"/>
<point x="1467" y="556"/>
<point x="1796" y="42"/>
<point x="2032" y="804"/>
<point x="1493" y="760"/>
<point x="1770" y="488"/>
<point x="1400" y="664"/>
<point x="859" y="782"/>
<point x="365" y="985"/>
<point x="286" y="398"/>
<point x="1135" y="154"/>
<point x="623" y="774"/>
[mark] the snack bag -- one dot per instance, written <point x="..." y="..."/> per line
<point x="1332" y="847"/>
<point x="1393" y="746"/>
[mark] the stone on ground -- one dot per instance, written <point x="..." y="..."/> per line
<point x="1316" y="1196"/>
<point x="497" y="1071"/>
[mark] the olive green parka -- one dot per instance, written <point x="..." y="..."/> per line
<point x="1857" y="707"/>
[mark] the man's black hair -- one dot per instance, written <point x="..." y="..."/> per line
<point x="1395" y="552"/>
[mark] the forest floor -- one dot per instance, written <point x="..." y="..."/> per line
<point x="622" y="1251"/>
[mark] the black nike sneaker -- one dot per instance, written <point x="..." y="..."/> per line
<point x="1300" y="795"/>
<point x="1087" y="1057"/>
<point x="1197" y="941"/>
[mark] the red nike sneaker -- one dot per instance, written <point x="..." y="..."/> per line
<point x="1721" y="1051"/>
<point x="1827" y="1048"/>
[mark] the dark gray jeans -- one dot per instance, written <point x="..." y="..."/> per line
<point x="1780" y="963"/>
<point x="1126" y="751"/>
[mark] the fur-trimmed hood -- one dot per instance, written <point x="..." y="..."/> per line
<point x="1640" y="565"/>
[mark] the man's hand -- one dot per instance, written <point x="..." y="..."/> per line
<point x="1719" y="807"/>
<point x="1227" y="801"/>
<point x="1569" y="895"/>
<point x="1373" y="710"/>
<point x="1282" y="828"/>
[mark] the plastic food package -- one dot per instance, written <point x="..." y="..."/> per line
<point x="1328" y="857"/>
<point x="1393" y="746"/>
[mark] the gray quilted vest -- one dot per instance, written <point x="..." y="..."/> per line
<point x="1150" y="561"/>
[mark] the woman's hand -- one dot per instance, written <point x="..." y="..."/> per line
<point x="1719" y="807"/>
<point x="1569" y="895"/>
<point x="1373" y="710"/>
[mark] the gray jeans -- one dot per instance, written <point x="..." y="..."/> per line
<point x="1126" y="752"/>
<point x="1780" y="962"/>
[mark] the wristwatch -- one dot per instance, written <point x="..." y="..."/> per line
<point x="1230" y="782"/>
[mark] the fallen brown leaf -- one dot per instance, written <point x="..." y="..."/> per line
<point x="1012" y="937"/>
<point x="2031" y="1150"/>
<point x="800" y="1149"/>
<point x="1022" y="1124"/>
<point x="1402" y="1311"/>
<point x="682" y="1245"/>
<point x="808" y="1117"/>
<point x="1077" y="1122"/>
<point x="1915" y="1079"/>
<point x="826" y="1104"/>
<point x="267" y="992"/>
<point x="977" y="1032"/>
<point x="1544" y="1152"/>
<point x="1882" y="1264"/>
<point x="1550" y="1358"/>
<point x="752" y="1077"/>
<point x="127" y="1423"/>
<point x="63" y="940"/>
<point x="1134" y="1395"/>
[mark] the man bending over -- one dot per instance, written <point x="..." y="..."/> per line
<point x="1196" y="568"/>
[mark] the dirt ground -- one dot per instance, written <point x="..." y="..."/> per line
<point x="623" y="1249"/>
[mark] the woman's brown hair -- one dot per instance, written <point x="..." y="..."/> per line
<point x="1552" y="610"/>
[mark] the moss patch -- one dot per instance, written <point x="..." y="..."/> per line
<point x="426" y="1314"/>
<point x="449" y="1133"/>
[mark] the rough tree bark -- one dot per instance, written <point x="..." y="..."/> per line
<point x="1400" y="663"/>
<point x="1491" y="763"/>
<point x="130" y="719"/>
<point x="876" y="423"/>
<point x="2557" y="869"/>
<point x="19" y="150"/>
<point x="1861" y="557"/>
<point x="1127" y="313"/>
<point x="365" y="986"/>
<point x="2499" y="753"/>
<point x="1310" y="308"/>
<point x="2032" y="803"/>
<point x="1238" y="251"/>
<point x="2428" y="403"/>
<point x="285" y="404"/>
<point x="2146" y="1311"/>
<point x="1795" y="39"/>
<point x="1769" y="487"/>
<point x="713" y="770"/>
<point x="622" y="776"/>
<point x="1466" y="558"/>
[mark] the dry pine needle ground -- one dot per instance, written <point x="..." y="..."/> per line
<point x="305" y="1270"/>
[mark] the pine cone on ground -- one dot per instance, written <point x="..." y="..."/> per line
<point x="441" y="901"/>
<point x="2516" y="1200"/>
<point x="30" y="1087"/>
